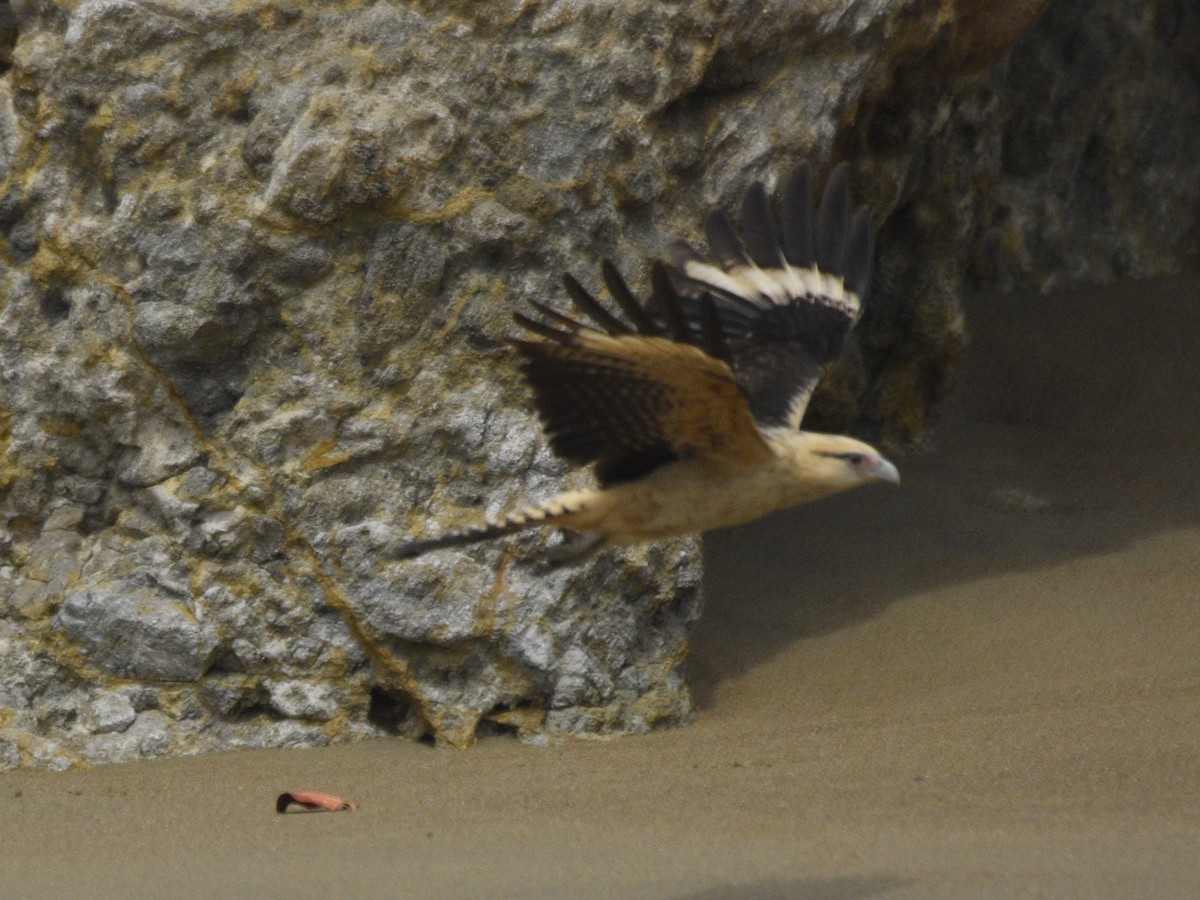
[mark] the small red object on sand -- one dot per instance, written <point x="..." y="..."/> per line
<point x="313" y="802"/>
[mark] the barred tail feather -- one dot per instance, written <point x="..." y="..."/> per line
<point x="559" y="511"/>
<point x="411" y="549"/>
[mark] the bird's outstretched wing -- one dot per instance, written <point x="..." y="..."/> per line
<point x="717" y="351"/>
<point x="630" y="398"/>
<point x="784" y="297"/>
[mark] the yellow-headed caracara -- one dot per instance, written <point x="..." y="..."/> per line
<point x="689" y="408"/>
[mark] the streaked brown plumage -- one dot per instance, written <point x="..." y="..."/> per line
<point x="688" y="407"/>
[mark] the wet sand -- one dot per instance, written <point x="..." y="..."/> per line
<point x="986" y="683"/>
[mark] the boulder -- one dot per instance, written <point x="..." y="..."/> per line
<point x="258" y="260"/>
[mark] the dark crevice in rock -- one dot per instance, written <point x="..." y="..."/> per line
<point x="396" y="716"/>
<point x="386" y="712"/>
<point x="20" y="234"/>
<point x="9" y="33"/>
<point x="54" y="303"/>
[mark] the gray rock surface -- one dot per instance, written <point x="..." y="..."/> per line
<point x="257" y="261"/>
<point x="137" y="632"/>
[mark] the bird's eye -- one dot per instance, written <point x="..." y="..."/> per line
<point x="855" y="459"/>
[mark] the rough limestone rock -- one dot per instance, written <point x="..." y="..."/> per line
<point x="258" y="259"/>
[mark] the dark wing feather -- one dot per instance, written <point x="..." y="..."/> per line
<point x="620" y="292"/>
<point x="723" y="241"/>
<point x="665" y="301"/>
<point x="860" y="253"/>
<point x="588" y="305"/>
<point x="834" y="222"/>
<point x="786" y="301"/>
<point x="799" y="233"/>
<point x="762" y="237"/>
<point x="632" y="403"/>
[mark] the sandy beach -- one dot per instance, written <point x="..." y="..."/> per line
<point x="983" y="684"/>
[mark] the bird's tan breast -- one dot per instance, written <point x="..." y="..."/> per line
<point x="686" y="498"/>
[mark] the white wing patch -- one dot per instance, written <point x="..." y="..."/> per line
<point x="779" y="286"/>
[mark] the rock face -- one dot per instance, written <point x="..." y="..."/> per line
<point x="258" y="258"/>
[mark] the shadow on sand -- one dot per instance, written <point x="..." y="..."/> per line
<point x="1073" y="432"/>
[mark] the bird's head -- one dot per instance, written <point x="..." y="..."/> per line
<point x="840" y="462"/>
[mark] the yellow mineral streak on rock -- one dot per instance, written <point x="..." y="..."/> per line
<point x="459" y="204"/>
<point x="319" y="456"/>
<point x="393" y="674"/>
<point x="61" y="428"/>
<point x="527" y="721"/>
<point x="495" y="291"/>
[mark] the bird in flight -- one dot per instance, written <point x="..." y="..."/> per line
<point x="688" y="406"/>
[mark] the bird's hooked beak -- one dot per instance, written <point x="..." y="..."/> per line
<point x="885" y="471"/>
